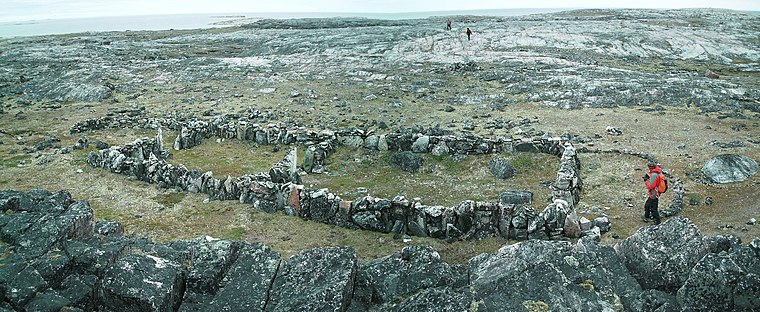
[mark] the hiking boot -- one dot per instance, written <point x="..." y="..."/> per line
<point x="645" y="219"/>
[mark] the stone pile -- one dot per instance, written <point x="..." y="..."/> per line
<point x="55" y="257"/>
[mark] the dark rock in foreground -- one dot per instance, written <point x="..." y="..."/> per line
<point x="51" y="259"/>
<point x="559" y="275"/>
<point x="320" y="279"/>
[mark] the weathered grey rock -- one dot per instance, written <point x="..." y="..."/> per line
<point x="369" y="220"/>
<point x="19" y="282"/>
<point x="501" y="168"/>
<point x="308" y="159"/>
<point x="421" y="145"/>
<point x="245" y="287"/>
<point x="82" y="143"/>
<point x="109" y="228"/>
<point x="517" y="198"/>
<point x="371" y="142"/>
<point x="319" y="279"/>
<point x="399" y="275"/>
<point x="440" y="149"/>
<point x="661" y="257"/>
<point x="48" y="301"/>
<point x="142" y="282"/>
<point x="406" y="161"/>
<point x="729" y="168"/>
<point x="382" y="144"/>
<point x="441" y="299"/>
<point x="79" y="290"/>
<point x="603" y="223"/>
<point x="208" y="263"/>
<point x="552" y="274"/>
<point x="657" y="301"/>
<point x="726" y="281"/>
<point x="572" y="228"/>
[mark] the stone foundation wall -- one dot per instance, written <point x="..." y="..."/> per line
<point x="280" y="189"/>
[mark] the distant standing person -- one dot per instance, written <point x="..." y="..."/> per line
<point x="448" y="24"/>
<point x="652" y="181"/>
<point x="469" y="32"/>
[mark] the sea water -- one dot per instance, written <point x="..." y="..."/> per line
<point x="194" y="21"/>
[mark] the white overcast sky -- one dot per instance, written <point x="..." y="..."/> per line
<point x="19" y="10"/>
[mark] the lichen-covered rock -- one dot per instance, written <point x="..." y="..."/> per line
<point x="143" y="283"/>
<point x="661" y="257"/>
<point x="319" y="279"/>
<point x="209" y="260"/>
<point x="501" y="168"/>
<point x="406" y="161"/>
<point x="657" y="301"/>
<point x="555" y="274"/>
<point x="19" y="282"/>
<point x="245" y="287"/>
<point x="401" y="274"/>
<point x="441" y="299"/>
<point x="726" y="281"/>
<point x="109" y="228"/>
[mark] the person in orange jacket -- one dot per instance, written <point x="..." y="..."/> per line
<point x="652" y="181"/>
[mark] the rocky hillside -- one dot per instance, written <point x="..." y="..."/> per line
<point x="592" y="58"/>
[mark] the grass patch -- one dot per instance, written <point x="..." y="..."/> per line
<point x="692" y="198"/>
<point x="228" y="157"/>
<point x="14" y="160"/>
<point x="169" y="199"/>
<point x="235" y="233"/>
<point x="442" y="180"/>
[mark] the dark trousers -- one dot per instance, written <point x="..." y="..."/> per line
<point x="650" y="209"/>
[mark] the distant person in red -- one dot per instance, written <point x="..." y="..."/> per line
<point x="469" y="32"/>
<point x="448" y="24"/>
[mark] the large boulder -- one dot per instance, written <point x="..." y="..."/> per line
<point x="661" y="257"/>
<point x="143" y="283"/>
<point x="245" y="287"/>
<point x="400" y="275"/>
<point x="726" y="281"/>
<point x="406" y="161"/>
<point x="319" y="279"/>
<point x="501" y="168"/>
<point x="729" y="168"/>
<point x="553" y="275"/>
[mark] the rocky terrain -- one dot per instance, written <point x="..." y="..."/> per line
<point x="57" y="257"/>
<point x="680" y="86"/>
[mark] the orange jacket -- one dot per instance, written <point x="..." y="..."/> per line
<point x="653" y="182"/>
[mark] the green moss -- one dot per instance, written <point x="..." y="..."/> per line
<point x="14" y="160"/>
<point x="169" y="199"/>
<point x="523" y="162"/>
<point x="693" y="197"/>
<point x="535" y="306"/>
<point x="235" y="233"/>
